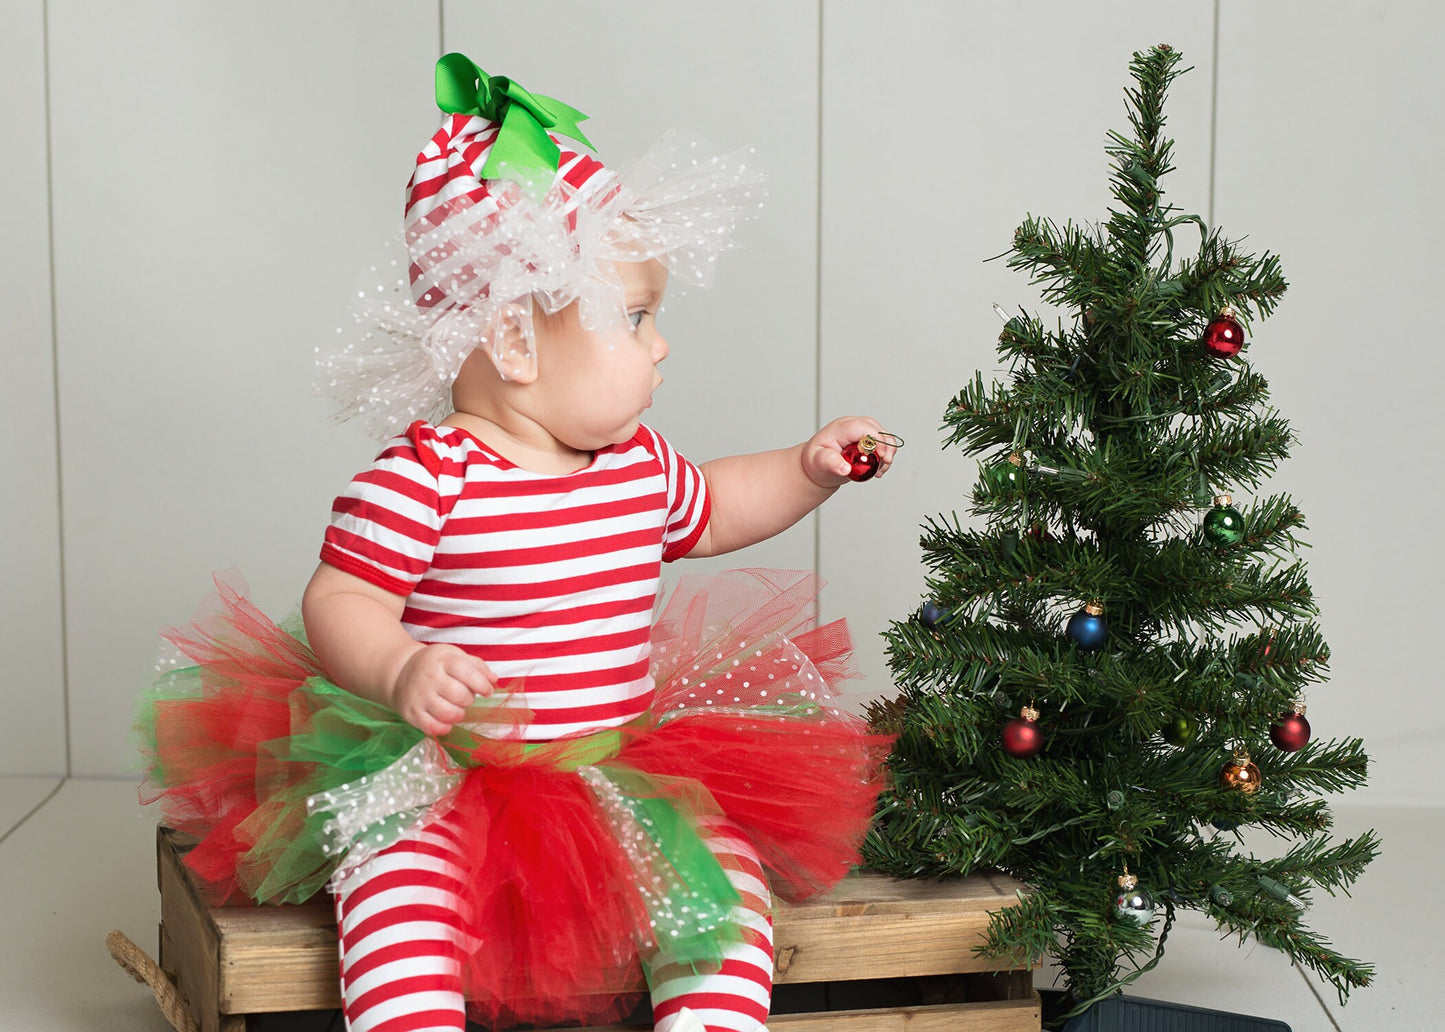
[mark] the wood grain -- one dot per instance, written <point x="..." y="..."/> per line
<point x="190" y="944"/>
<point x="998" y="1016"/>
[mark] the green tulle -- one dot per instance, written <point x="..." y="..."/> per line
<point x="173" y="687"/>
<point x="346" y="739"/>
<point x="687" y="893"/>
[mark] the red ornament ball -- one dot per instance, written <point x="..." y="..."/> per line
<point x="1223" y="337"/>
<point x="1022" y="736"/>
<point x="862" y="457"/>
<point x="1290" y="732"/>
<point x="1039" y="532"/>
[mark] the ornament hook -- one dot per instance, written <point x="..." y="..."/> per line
<point x="868" y="443"/>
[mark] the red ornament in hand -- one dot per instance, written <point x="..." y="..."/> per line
<point x="863" y="457"/>
<point x="862" y="454"/>
<point x="1291" y="731"/>
<point x="1022" y="736"/>
<point x="1223" y="337"/>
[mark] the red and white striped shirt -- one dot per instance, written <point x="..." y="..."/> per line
<point x="548" y="579"/>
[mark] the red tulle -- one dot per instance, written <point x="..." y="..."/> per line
<point x="802" y="797"/>
<point x="203" y="751"/>
<point x="540" y="854"/>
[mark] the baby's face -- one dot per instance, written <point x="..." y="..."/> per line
<point x="596" y="384"/>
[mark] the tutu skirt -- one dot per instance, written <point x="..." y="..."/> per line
<point x="581" y="855"/>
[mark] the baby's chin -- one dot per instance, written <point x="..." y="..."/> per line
<point x="628" y="432"/>
<point x="609" y="439"/>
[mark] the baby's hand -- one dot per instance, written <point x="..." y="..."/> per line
<point x="436" y="686"/>
<point x="823" y="459"/>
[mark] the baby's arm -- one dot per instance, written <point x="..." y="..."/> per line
<point x="355" y="629"/>
<point x="756" y="496"/>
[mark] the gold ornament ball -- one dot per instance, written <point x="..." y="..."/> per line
<point x="1240" y="774"/>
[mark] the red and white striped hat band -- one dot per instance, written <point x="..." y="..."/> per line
<point x="482" y="253"/>
<point x="448" y="184"/>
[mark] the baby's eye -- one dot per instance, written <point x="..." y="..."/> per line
<point x="635" y="318"/>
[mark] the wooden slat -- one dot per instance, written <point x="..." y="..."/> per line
<point x="874" y="926"/>
<point x="190" y="944"/>
<point x="293" y="971"/>
<point x="991" y="1016"/>
<point x="271" y="955"/>
<point x="879" y="947"/>
<point x="867" y="892"/>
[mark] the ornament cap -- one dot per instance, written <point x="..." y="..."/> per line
<point x="1128" y="881"/>
<point x="1223" y="499"/>
<point x="1029" y="713"/>
<point x="1094" y="607"/>
<point x="1016" y="459"/>
<point x="868" y="443"/>
<point x="1228" y="312"/>
<point x="1298" y="707"/>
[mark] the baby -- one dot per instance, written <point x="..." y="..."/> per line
<point x="523" y="784"/>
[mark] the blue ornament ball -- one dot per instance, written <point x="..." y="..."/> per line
<point x="932" y="614"/>
<point x="1087" y="628"/>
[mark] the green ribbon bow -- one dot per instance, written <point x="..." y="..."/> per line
<point x="523" y="152"/>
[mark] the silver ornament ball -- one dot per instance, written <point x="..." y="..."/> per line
<point x="1132" y="902"/>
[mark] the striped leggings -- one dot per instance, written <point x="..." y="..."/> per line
<point x="400" y="970"/>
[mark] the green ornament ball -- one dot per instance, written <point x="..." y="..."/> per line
<point x="1008" y="475"/>
<point x="1224" y="526"/>
<point x="1181" y="730"/>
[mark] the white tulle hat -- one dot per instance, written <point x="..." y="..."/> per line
<point x="509" y="207"/>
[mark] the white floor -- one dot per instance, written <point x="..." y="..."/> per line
<point x="77" y="859"/>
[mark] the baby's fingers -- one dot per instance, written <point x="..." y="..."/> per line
<point x="430" y="725"/>
<point x="885" y="453"/>
<point x="472" y="675"/>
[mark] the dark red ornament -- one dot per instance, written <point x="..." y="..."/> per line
<point x="1022" y="736"/>
<point x="863" y="457"/>
<point x="1291" y="731"/>
<point x="1223" y="337"/>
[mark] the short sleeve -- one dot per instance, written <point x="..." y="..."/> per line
<point x="688" y="507"/>
<point x="386" y="524"/>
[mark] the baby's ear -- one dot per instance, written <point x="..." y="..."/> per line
<point x="511" y="345"/>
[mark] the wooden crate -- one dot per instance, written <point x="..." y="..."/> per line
<point x="875" y="955"/>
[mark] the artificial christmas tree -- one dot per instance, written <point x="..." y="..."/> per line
<point x="1151" y="630"/>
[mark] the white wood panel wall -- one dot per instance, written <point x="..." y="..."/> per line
<point x="221" y="173"/>
<point x="32" y="738"/>
<point x="1329" y="152"/>
<point x="941" y="132"/>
